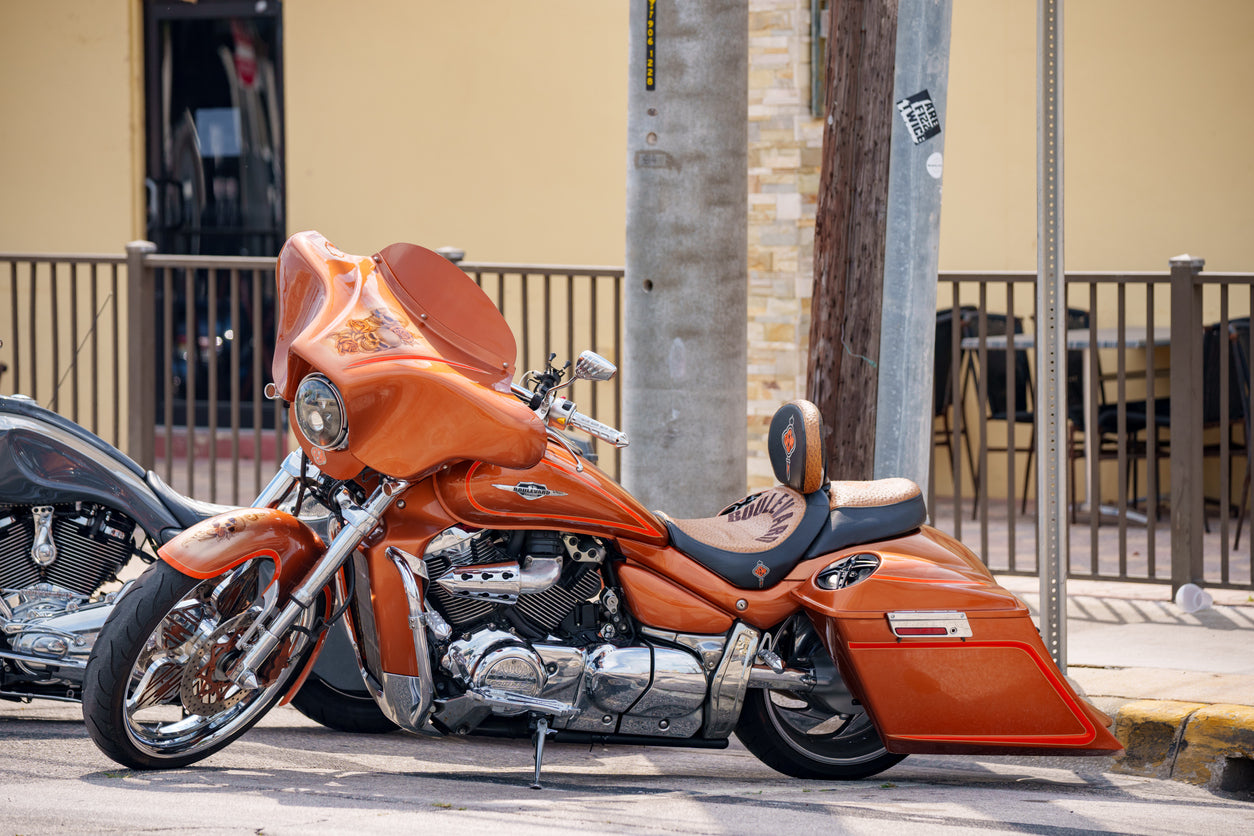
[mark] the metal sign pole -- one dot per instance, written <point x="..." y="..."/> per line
<point x="1051" y="322"/>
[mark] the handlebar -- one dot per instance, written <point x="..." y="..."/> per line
<point x="591" y="426"/>
<point x="562" y="415"/>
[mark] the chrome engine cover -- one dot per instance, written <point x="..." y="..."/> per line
<point x="643" y="689"/>
<point x="492" y="659"/>
<point x="50" y="632"/>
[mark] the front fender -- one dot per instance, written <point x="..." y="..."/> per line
<point x="221" y="543"/>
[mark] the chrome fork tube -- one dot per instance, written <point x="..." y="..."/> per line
<point x="273" y="493"/>
<point x="358" y="524"/>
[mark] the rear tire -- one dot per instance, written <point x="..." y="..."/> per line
<point x="334" y="693"/>
<point x="802" y="735"/>
<point x="340" y="711"/>
<point x="154" y="694"/>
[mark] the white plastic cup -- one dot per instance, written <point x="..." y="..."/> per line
<point x="1192" y="598"/>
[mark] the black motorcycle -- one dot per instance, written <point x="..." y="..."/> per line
<point x="74" y="511"/>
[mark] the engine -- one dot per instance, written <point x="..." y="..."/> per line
<point x="53" y="560"/>
<point x="532" y="581"/>
<point x="536" y="628"/>
<point x="74" y="547"/>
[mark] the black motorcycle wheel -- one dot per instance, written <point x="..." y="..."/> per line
<point x="798" y="734"/>
<point x="339" y="710"/>
<point x="334" y="694"/>
<point x="155" y="693"/>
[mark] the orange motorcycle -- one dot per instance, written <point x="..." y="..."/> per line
<point x="494" y="581"/>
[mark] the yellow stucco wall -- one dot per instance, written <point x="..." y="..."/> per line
<point x="1156" y="135"/>
<point x="497" y="127"/>
<point x="500" y="127"/>
<point x="70" y="170"/>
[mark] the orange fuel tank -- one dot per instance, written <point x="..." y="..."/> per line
<point x="553" y="494"/>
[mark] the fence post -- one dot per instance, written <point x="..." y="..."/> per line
<point x="141" y="362"/>
<point x="1187" y="507"/>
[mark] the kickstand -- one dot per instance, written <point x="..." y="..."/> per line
<point x="542" y="731"/>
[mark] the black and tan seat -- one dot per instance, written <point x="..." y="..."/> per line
<point x="759" y="540"/>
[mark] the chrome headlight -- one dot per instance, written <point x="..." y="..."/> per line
<point x="320" y="413"/>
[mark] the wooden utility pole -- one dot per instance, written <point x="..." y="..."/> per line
<point x="850" y="229"/>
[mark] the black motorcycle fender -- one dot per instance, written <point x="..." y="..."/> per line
<point x="47" y="460"/>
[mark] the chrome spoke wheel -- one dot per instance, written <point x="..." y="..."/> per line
<point x="162" y="694"/>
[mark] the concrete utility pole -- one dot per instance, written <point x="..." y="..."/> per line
<point x="903" y="419"/>
<point x="684" y="386"/>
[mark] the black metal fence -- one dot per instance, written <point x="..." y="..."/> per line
<point x="167" y="357"/>
<point x="1140" y="448"/>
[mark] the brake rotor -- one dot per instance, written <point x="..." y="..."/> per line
<point x="205" y="687"/>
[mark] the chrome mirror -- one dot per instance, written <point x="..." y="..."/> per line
<point x="592" y="366"/>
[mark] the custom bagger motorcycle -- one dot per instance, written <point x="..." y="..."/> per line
<point x="495" y="582"/>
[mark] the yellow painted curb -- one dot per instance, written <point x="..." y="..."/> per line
<point x="1214" y="735"/>
<point x="1148" y="731"/>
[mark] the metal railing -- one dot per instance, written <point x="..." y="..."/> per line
<point x="160" y="356"/>
<point x="167" y="357"/>
<point x="62" y="337"/>
<point x="1133" y="341"/>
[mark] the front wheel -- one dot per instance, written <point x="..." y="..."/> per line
<point x="156" y="694"/>
<point x="803" y="735"/>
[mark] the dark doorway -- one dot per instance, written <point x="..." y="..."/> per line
<point x="215" y="186"/>
<point x="213" y="73"/>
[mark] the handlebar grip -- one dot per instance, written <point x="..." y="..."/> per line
<point x="594" y="427"/>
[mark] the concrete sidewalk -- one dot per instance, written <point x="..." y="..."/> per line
<point x="1180" y="686"/>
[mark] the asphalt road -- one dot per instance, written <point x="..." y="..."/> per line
<point x="289" y="775"/>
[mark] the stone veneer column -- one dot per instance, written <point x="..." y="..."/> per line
<point x="785" y="145"/>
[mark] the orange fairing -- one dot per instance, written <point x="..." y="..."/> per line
<point x="762" y="608"/>
<point x="410" y="524"/>
<point x="994" y="691"/>
<point x="553" y="494"/>
<point x="422" y="359"/>
<point x="217" y="544"/>
<point x="665" y="604"/>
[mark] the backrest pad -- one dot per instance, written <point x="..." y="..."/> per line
<point x="795" y="445"/>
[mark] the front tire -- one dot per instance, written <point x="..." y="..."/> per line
<point x="155" y="692"/>
<point x="801" y="734"/>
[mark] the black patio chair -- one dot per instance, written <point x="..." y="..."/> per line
<point x="944" y="381"/>
<point x="999" y="402"/>
<point x="1237" y="343"/>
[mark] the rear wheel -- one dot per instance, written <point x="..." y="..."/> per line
<point x="816" y="735"/>
<point x="334" y="693"/>
<point x="156" y="694"/>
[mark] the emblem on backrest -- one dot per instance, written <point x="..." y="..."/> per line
<point x="789" y="440"/>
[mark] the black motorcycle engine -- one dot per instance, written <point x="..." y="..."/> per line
<point x="541" y="612"/>
<point x="76" y="546"/>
